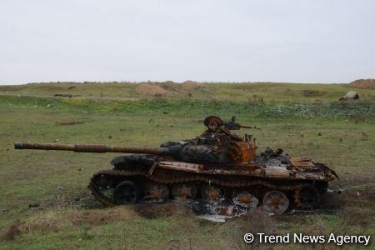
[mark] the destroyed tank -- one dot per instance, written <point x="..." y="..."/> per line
<point x="217" y="165"/>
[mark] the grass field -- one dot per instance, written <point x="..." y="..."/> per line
<point x="45" y="203"/>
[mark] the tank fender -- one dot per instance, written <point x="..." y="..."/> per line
<point x="326" y="169"/>
<point x="133" y="160"/>
<point x="118" y="160"/>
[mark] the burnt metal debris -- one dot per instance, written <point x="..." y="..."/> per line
<point x="214" y="167"/>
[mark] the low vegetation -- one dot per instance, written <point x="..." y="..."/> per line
<point x="44" y="202"/>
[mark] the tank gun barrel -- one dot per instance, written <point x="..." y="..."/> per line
<point x="92" y="148"/>
<point x="243" y="126"/>
<point x="233" y="125"/>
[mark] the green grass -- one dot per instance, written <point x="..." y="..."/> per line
<point x="307" y="123"/>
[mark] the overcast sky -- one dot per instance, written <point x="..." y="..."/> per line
<point x="324" y="41"/>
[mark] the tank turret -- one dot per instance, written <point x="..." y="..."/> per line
<point x="216" y="145"/>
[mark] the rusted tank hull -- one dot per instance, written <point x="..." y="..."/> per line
<point x="278" y="186"/>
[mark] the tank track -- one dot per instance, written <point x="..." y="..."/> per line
<point x="98" y="194"/>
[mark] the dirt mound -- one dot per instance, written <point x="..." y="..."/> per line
<point x="151" y="90"/>
<point x="168" y="82"/>
<point x="168" y="86"/>
<point x="364" y="83"/>
<point x="191" y="85"/>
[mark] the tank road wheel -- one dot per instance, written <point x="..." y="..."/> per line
<point x="307" y="197"/>
<point x="184" y="191"/>
<point x="212" y="192"/>
<point x="245" y="199"/>
<point x="127" y="192"/>
<point x="102" y="182"/>
<point x="275" y="201"/>
<point x="156" y="192"/>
